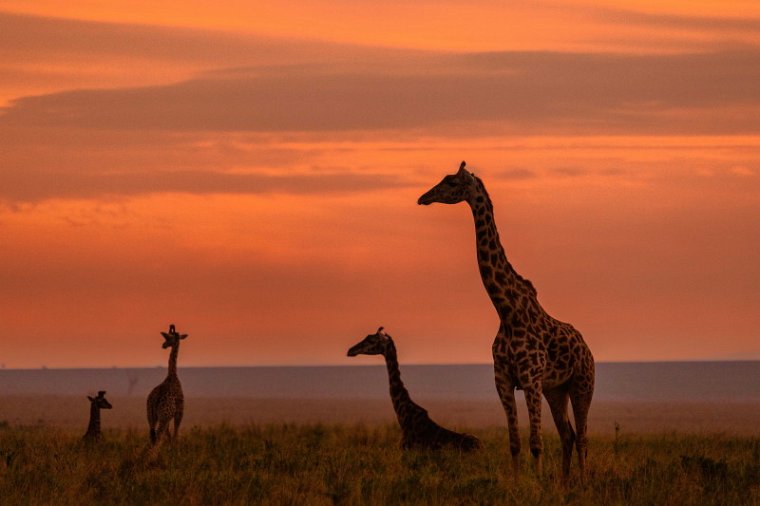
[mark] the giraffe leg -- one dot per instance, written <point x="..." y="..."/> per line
<point x="152" y="417"/>
<point x="581" y="401"/>
<point x="507" y="396"/>
<point x="152" y="421"/>
<point x="557" y="399"/>
<point x="177" y="421"/>
<point x="162" y="430"/>
<point x="533" y="400"/>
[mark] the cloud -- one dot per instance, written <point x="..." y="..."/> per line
<point x="536" y="92"/>
<point x="516" y="174"/>
<point x="723" y="25"/>
<point x="35" y="185"/>
<point x="38" y="39"/>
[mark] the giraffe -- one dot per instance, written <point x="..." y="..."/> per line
<point x="418" y="430"/>
<point x="532" y="351"/>
<point x="96" y="404"/>
<point x="166" y="401"/>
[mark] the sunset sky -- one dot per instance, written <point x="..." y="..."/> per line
<point x="249" y="171"/>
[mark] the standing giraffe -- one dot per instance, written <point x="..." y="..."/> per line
<point x="96" y="404"/>
<point x="532" y="351"/>
<point x="166" y="401"/>
<point x="418" y="430"/>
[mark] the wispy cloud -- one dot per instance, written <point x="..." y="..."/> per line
<point x="37" y="39"/>
<point x="31" y="186"/>
<point x="550" y="92"/>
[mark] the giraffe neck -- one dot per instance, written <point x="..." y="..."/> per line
<point x="94" y="427"/>
<point x="173" y="359"/>
<point x="504" y="285"/>
<point x="399" y="394"/>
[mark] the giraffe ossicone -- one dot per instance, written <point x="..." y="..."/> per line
<point x="532" y="351"/>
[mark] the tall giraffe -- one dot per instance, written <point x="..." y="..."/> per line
<point x="96" y="404"/>
<point x="532" y="351"/>
<point x="166" y="401"/>
<point x="418" y="430"/>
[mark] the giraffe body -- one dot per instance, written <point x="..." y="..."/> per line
<point x="532" y="351"/>
<point x="96" y="404"/>
<point x="417" y="428"/>
<point x="166" y="402"/>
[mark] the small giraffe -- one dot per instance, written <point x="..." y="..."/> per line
<point x="532" y="351"/>
<point x="418" y="430"/>
<point x="166" y="401"/>
<point x="96" y="404"/>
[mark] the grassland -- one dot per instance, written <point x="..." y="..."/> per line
<point x="362" y="464"/>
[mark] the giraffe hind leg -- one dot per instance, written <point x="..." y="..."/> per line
<point x="581" y="402"/>
<point x="162" y="429"/>
<point x="177" y="421"/>
<point x="152" y="420"/>
<point x="557" y="399"/>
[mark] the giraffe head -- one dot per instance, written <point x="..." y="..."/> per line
<point x="373" y="344"/>
<point x="172" y="337"/>
<point x="100" y="401"/>
<point x="452" y="189"/>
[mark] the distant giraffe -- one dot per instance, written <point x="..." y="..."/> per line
<point x="418" y="430"/>
<point x="96" y="404"/>
<point x="532" y="351"/>
<point x="166" y="401"/>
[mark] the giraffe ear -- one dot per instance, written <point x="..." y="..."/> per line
<point x="183" y="336"/>
<point x="91" y="398"/>
<point x="166" y="336"/>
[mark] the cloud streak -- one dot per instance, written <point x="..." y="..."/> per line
<point x="538" y="92"/>
<point x="30" y="186"/>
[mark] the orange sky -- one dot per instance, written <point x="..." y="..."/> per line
<point x="250" y="173"/>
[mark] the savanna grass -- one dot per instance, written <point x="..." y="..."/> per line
<point x="335" y="464"/>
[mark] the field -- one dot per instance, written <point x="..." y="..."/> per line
<point x="310" y="463"/>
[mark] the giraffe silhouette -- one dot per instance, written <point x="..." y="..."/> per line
<point x="532" y="351"/>
<point x="418" y="430"/>
<point x="166" y="401"/>
<point x="96" y="404"/>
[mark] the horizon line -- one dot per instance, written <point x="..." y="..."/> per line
<point x="414" y="364"/>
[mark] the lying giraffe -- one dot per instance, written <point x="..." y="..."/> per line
<point x="532" y="351"/>
<point x="166" y="401"/>
<point x="418" y="430"/>
<point x="96" y="404"/>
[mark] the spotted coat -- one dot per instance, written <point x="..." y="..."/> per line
<point x="166" y="402"/>
<point x="532" y="351"/>
<point x="417" y="428"/>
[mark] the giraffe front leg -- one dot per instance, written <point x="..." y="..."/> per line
<point x="533" y="400"/>
<point x="507" y="395"/>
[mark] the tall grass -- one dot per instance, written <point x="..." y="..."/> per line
<point x="320" y="464"/>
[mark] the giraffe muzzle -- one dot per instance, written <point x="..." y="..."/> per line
<point x="426" y="199"/>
